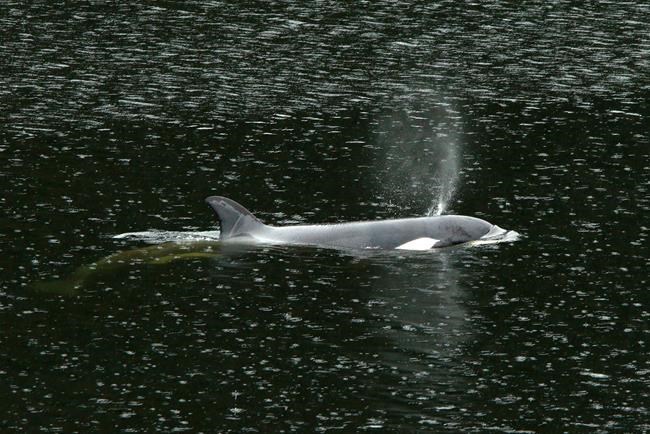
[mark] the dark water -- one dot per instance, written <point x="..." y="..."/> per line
<point x="123" y="118"/>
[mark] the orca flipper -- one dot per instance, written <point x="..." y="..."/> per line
<point x="235" y="220"/>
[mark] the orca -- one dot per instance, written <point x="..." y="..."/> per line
<point x="418" y="233"/>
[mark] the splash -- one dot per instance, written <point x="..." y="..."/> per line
<point x="504" y="237"/>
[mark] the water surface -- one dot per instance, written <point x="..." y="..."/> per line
<point x="124" y="118"/>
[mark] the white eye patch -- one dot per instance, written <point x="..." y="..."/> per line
<point x="418" y="244"/>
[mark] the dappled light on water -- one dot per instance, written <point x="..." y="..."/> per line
<point x="122" y="116"/>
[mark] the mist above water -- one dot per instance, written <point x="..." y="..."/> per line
<point x="422" y="150"/>
<point x="447" y="180"/>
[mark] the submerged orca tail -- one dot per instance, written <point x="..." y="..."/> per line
<point x="235" y="219"/>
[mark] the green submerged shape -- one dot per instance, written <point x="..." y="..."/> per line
<point x="158" y="254"/>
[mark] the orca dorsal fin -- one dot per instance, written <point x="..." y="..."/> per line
<point x="234" y="219"/>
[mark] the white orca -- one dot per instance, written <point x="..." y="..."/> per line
<point x="420" y="233"/>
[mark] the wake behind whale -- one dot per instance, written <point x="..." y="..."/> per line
<point x="156" y="236"/>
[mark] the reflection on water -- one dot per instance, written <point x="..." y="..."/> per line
<point x="120" y="117"/>
<point x="422" y="314"/>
